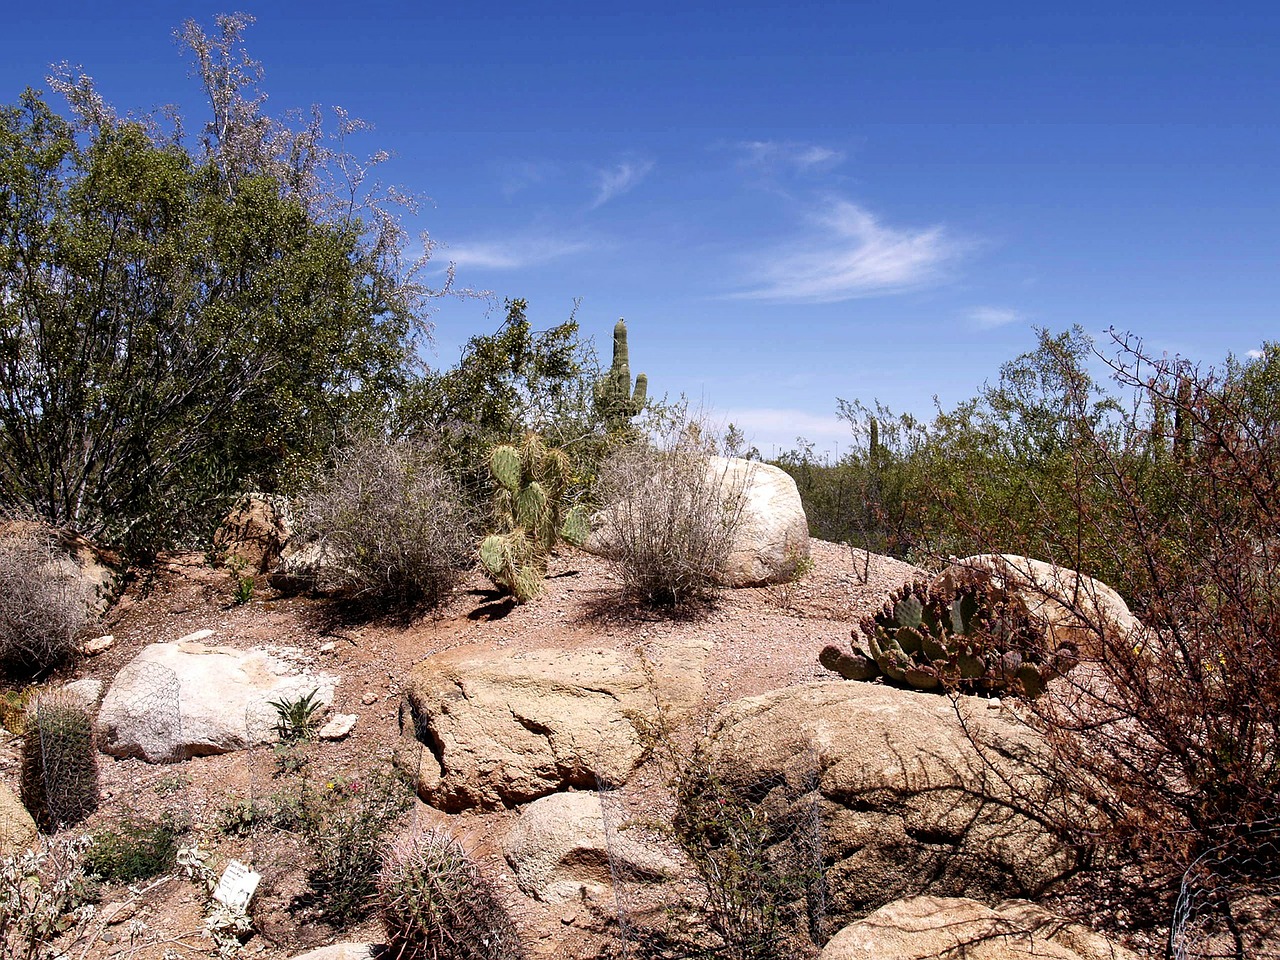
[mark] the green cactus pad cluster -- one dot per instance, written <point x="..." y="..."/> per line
<point x="616" y="401"/>
<point x="530" y="515"/>
<point x="968" y="634"/>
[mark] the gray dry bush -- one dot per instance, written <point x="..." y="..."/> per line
<point x="672" y="520"/>
<point x="44" y="604"/>
<point x="395" y="517"/>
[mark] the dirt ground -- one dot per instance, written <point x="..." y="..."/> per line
<point x="762" y="638"/>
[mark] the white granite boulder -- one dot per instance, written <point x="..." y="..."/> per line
<point x="186" y="699"/>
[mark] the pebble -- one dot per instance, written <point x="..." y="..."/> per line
<point x="369" y="698"/>
<point x="99" y="645"/>
<point x="338" y="727"/>
<point x="328" y="646"/>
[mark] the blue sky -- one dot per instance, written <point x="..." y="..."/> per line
<point x="793" y="202"/>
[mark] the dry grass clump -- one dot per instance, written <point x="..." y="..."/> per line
<point x="395" y="519"/>
<point x="672" y="518"/>
<point x="44" y="603"/>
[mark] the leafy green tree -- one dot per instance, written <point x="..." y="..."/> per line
<point x="177" y="323"/>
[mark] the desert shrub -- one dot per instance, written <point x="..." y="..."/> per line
<point x="43" y="603"/>
<point x="59" y="776"/>
<point x="135" y="850"/>
<point x="345" y="823"/>
<point x="436" y="904"/>
<point x="298" y="718"/>
<point x="671" y="518"/>
<point x="1173" y="732"/>
<point x="42" y="893"/>
<point x="395" y="519"/>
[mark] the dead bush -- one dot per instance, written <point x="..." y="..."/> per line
<point x="44" y="603"/>
<point x="672" y="516"/>
<point x="393" y="519"/>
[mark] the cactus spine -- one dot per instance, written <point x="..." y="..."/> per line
<point x="437" y="905"/>
<point x="59" y="776"/>
<point x="530" y="515"/>
<point x="616" y="402"/>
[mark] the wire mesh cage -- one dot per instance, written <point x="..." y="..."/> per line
<point x="1228" y="907"/>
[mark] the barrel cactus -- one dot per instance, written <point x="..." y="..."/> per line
<point x="968" y="634"/>
<point x="437" y="905"/>
<point x="616" y="401"/>
<point x="530" y="515"/>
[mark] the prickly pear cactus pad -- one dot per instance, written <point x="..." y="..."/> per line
<point x="970" y="635"/>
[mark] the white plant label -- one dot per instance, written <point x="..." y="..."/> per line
<point x="237" y="886"/>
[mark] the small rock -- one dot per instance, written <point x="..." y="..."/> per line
<point x="87" y="690"/>
<point x="328" y="646"/>
<point x="98" y="645"/>
<point x="196" y="637"/>
<point x="114" y="913"/>
<point x="339" y="725"/>
<point x="369" y="698"/>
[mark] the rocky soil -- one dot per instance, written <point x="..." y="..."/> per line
<point x="761" y="639"/>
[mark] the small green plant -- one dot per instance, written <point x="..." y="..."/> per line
<point x="437" y="905"/>
<point x="59" y="776"/>
<point x="290" y="758"/>
<point x="298" y="718"/>
<point x="344" y="824"/>
<point x="42" y="896"/>
<point x="243" y="590"/>
<point x="531" y="515"/>
<point x="171" y="783"/>
<point x="239" y="816"/>
<point x="967" y="633"/>
<point x="136" y="850"/>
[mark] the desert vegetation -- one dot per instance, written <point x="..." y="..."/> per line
<point x="184" y="321"/>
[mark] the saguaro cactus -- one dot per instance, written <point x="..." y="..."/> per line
<point x="615" y="399"/>
<point x="530" y="514"/>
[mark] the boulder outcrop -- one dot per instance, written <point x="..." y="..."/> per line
<point x="253" y="534"/>
<point x="1074" y="609"/>
<point x="918" y="794"/>
<point x="501" y="731"/>
<point x="186" y="699"/>
<point x="561" y="849"/>
<point x="925" y="928"/>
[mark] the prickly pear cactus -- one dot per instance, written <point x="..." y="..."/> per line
<point x="616" y="402"/>
<point x="530" y="515"/>
<point x="970" y="635"/>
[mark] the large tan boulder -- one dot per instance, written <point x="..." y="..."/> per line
<point x="179" y="700"/>
<point x="253" y="534"/>
<point x="562" y="850"/>
<point x="1074" y="609"/>
<point x="501" y="730"/>
<point x="17" y="829"/>
<point x="917" y="793"/>
<point x="942" y="928"/>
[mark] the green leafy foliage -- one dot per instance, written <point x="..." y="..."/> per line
<point x="176" y="323"/>
<point x="297" y="718"/>
<point x="135" y="850"/>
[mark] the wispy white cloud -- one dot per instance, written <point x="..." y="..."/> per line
<point x="616" y="180"/>
<point x="851" y="255"/>
<point x="989" y="318"/>
<point x="518" y="175"/>
<point x="512" y="254"/>
<point x="770" y="155"/>
<point x="775" y="430"/>
<point x="1255" y="354"/>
